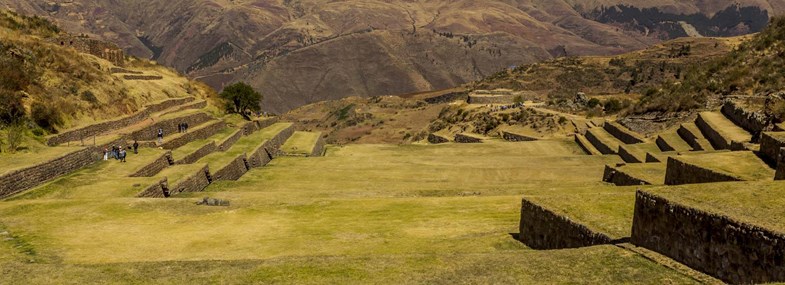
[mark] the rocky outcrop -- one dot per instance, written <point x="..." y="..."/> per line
<point x="679" y="172"/>
<point x="437" y="139"/>
<point x="541" y="228"/>
<point x="732" y="251"/>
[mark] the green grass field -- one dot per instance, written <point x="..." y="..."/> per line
<point x="361" y="214"/>
<point x="301" y="143"/>
<point x="742" y="164"/>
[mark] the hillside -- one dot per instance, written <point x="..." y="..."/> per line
<point x="52" y="81"/>
<point x="369" y="48"/>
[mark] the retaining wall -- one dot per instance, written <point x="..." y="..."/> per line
<point x="194" y="183"/>
<point x="142" y="77"/>
<point x="447" y="98"/>
<point x="156" y="166"/>
<point x="598" y="144"/>
<point x="437" y="139"/>
<point x="717" y="140"/>
<point x="461" y="138"/>
<point x="541" y="228"/>
<point x="770" y="146"/>
<point x="753" y="122"/>
<point x="259" y="157"/>
<point x="198" y="154"/>
<point x="586" y="145"/>
<point x="780" y="174"/>
<point x="169" y="126"/>
<point x="628" y="157"/>
<point x="679" y="172"/>
<point x="192" y="135"/>
<point x="619" y="178"/>
<point x="157" y="190"/>
<point x="229" y="142"/>
<point x="198" y="105"/>
<point x="516" y="137"/>
<point x="318" y="148"/>
<point x="233" y="170"/>
<point x="732" y="251"/>
<point x="27" y="178"/>
<point x="622" y="133"/>
<point x="690" y="138"/>
<point x="663" y="144"/>
<point x="491" y="99"/>
<point x="103" y="127"/>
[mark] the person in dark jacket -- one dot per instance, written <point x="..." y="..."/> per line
<point x="160" y="136"/>
<point x="136" y="147"/>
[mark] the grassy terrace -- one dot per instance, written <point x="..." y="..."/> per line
<point x="101" y="180"/>
<point x="11" y="162"/>
<point x="604" y="210"/>
<point x="726" y="127"/>
<point x="362" y="214"/>
<point x="640" y="150"/>
<point x="702" y="141"/>
<point x="606" y="138"/>
<point x="218" y="160"/>
<point x="176" y="173"/>
<point x="301" y="143"/>
<point x="742" y="164"/>
<point x="674" y="140"/>
<point x="653" y="173"/>
<point x="757" y="203"/>
<point x="197" y="144"/>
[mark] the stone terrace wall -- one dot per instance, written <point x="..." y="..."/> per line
<point x="142" y="77"/>
<point x="273" y="145"/>
<point x="619" y="178"/>
<point x="689" y="137"/>
<point x="192" y="135"/>
<point x="780" y="175"/>
<point x="437" y="139"/>
<point x="679" y="172"/>
<point x="23" y="179"/>
<point x="491" y="99"/>
<point x="169" y="126"/>
<point x="318" y="148"/>
<point x="156" y="166"/>
<point x="516" y="137"/>
<point x="542" y="229"/>
<point x="259" y="157"/>
<point x="461" y="138"/>
<point x="447" y="98"/>
<point x="104" y="50"/>
<point x="599" y="145"/>
<point x="627" y="156"/>
<point x="663" y="144"/>
<point x="229" y="142"/>
<point x="716" y="139"/>
<point x="233" y="170"/>
<point x="734" y="252"/>
<point x="194" y="183"/>
<point x="753" y="122"/>
<point x="198" y="154"/>
<point x="157" y="190"/>
<point x="100" y="128"/>
<point x="770" y="146"/>
<point x="197" y="105"/>
<point x="622" y="133"/>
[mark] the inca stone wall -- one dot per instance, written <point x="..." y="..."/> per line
<point x="780" y="175"/>
<point x="259" y="157"/>
<point x="142" y="77"/>
<point x="437" y="139"/>
<point x="491" y="99"/>
<point x="770" y="145"/>
<point x="461" y="138"/>
<point x="599" y="145"/>
<point x="622" y="133"/>
<point x="104" y="50"/>
<point x="447" y="98"/>
<point x="198" y="154"/>
<point x="100" y="128"/>
<point x="716" y="139"/>
<point x="169" y="126"/>
<point x="195" y="106"/>
<point x="234" y="170"/>
<point x="27" y="178"/>
<point x="193" y="183"/>
<point x="155" y="167"/>
<point x="516" y="137"/>
<point x="542" y="229"/>
<point x="229" y="142"/>
<point x="627" y="156"/>
<point x="732" y="251"/>
<point x="158" y="189"/>
<point x="663" y="145"/>
<point x="194" y="134"/>
<point x="318" y="148"/>
<point x="620" y="178"/>
<point x="753" y="122"/>
<point x="690" y="138"/>
<point x="679" y="172"/>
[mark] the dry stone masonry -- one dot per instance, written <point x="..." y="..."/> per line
<point x="104" y="50"/>
<point x="195" y="134"/>
<point x="770" y="145"/>
<point x="543" y="229"/>
<point x="463" y="138"/>
<point x="620" y="178"/>
<point x="193" y="183"/>
<point x="752" y="121"/>
<point x="27" y="178"/>
<point x="622" y="133"/>
<point x="780" y="175"/>
<point x="732" y="251"/>
<point x="679" y="172"/>
<point x="150" y="170"/>
<point x="198" y="154"/>
<point x="169" y="126"/>
<point x="437" y="139"/>
<point x="516" y="137"/>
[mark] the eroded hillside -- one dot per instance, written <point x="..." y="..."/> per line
<point x="370" y="48"/>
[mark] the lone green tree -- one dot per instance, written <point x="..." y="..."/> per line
<point x="241" y="98"/>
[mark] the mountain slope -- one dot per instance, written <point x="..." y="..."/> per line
<point x="301" y="51"/>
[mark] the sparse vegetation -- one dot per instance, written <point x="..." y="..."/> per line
<point x="241" y="99"/>
<point x="46" y="116"/>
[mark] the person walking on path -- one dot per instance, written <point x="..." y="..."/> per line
<point x="160" y="136"/>
<point x="106" y="154"/>
<point x="136" y="147"/>
<point x="122" y="154"/>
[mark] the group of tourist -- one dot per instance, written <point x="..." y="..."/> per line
<point x="182" y="127"/>
<point x="118" y="152"/>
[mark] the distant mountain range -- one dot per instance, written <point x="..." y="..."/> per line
<point x="300" y="51"/>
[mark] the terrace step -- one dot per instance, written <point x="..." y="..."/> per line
<point x="672" y="141"/>
<point x="717" y="167"/>
<point x="636" y="153"/>
<point x="304" y="144"/>
<point x="722" y="132"/>
<point x="603" y="141"/>
<point x="635" y="174"/>
<point x="623" y="134"/>
<point x="586" y="145"/>
<point x="690" y="133"/>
